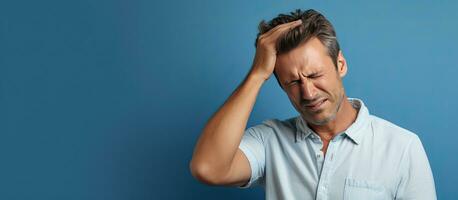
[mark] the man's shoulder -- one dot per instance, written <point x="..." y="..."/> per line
<point x="274" y="123"/>
<point x="277" y="126"/>
<point x="389" y="130"/>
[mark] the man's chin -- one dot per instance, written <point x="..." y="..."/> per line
<point x="318" y="119"/>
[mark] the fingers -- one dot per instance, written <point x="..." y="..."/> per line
<point x="286" y="25"/>
<point x="280" y="29"/>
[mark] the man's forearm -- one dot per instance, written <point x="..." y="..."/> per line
<point x="222" y="134"/>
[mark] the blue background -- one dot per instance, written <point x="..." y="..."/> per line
<point x="106" y="99"/>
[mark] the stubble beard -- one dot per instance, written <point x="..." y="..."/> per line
<point x="332" y="116"/>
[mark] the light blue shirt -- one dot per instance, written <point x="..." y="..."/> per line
<point x="372" y="160"/>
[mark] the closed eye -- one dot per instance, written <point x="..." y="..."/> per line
<point x="294" y="81"/>
<point x="314" y="75"/>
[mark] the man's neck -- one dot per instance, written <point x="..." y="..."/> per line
<point x="345" y="116"/>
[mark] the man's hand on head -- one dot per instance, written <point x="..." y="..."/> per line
<point x="266" y="53"/>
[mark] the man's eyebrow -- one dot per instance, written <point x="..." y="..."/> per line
<point x="314" y="72"/>
<point x="289" y="80"/>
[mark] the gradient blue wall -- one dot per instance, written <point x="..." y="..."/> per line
<point x="105" y="99"/>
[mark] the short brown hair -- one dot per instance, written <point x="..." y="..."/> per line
<point x="314" y="24"/>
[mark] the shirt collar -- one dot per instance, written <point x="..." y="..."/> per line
<point x="354" y="132"/>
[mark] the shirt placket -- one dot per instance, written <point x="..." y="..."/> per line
<point x="326" y="165"/>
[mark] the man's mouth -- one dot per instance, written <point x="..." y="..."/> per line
<point x="315" y="105"/>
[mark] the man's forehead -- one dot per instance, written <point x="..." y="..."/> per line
<point x="307" y="56"/>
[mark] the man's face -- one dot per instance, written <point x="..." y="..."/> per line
<point x="311" y="81"/>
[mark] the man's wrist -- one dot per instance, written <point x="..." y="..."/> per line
<point x="256" y="78"/>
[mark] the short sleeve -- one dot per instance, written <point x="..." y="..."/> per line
<point x="252" y="145"/>
<point x="417" y="180"/>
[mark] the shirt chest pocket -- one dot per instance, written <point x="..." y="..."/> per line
<point x="364" y="190"/>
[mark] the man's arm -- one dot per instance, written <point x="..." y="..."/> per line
<point x="217" y="159"/>
<point x="417" y="180"/>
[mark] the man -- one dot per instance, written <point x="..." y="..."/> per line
<point x="333" y="150"/>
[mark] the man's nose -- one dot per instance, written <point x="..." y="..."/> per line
<point x="308" y="90"/>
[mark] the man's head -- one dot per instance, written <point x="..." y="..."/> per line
<point x="309" y="65"/>
<point x="314" y="24"/>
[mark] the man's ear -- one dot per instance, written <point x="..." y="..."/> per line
<point x="341" y="65"/>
